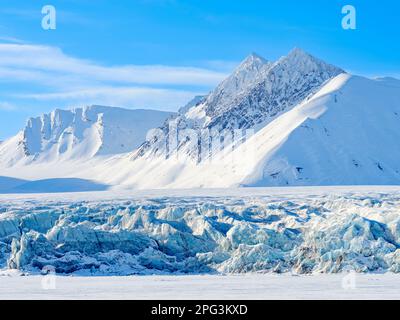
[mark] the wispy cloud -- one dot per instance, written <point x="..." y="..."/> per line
<point x="138" y="97"/>
<point x="23" y="13"/>
<point x="58" y="77"/>
<point x="221" y="65"/>
<point x="4" y="105"/>
<point x="40" y="59"/>
<point x="11" y="40"/>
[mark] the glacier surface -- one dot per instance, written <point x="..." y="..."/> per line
<point x="268" y="231"/>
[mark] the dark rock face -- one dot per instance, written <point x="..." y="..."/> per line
<point x="255" y="93"/>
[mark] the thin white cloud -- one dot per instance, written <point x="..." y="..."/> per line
<point x="134" y="97"/>
<point x="11" y="39"/>
<point x="4" y="105"/>
<point x="39" y="59"/>
<point x="221" y="65"/>
<point x="48" y="75"/>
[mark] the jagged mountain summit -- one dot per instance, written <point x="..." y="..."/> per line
<point x="277" y="87"/>
<point x="251" y="71"/>
<point x="311" y="123"/>
<point x="344" y="134"/>
<point x="253" y="95"/>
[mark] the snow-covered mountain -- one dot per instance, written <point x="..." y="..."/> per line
<point x="271" y="89"/>
<point x="254" y="94"/>
<point x="345" y="134"/>
<point x="80" y="134"/>
<point x="312" y="124"/>
<point x="195" y="101"/>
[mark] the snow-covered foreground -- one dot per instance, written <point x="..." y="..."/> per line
<point x="246" y="287"/>
<point x="284" y="230"/>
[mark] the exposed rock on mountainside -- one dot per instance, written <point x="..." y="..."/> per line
<point x="81" y="133"/>
<point x="296" y="121"/>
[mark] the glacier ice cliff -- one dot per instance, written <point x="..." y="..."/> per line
<point x="189" y="235"/>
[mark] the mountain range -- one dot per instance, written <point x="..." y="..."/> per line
<point x="297" y="121"/>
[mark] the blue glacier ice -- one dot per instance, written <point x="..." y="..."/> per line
<point x="195" y="235"/>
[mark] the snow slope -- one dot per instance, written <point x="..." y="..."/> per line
<point x="345" y="134"/>
<point x="79" y="134"/>
<point x="54" y="185"/>
<point x="192" y="103"/>
<point x="311" y="124"/>
<point x="255" y="93"/>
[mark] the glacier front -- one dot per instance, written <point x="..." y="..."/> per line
<point x="303" y="231"/>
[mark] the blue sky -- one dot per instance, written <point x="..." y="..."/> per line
<point x="159" y="53"/>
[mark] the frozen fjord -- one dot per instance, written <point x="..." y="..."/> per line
<point x="204" y="287"/>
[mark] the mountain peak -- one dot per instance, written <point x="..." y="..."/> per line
<point x="298" y="54"/>
<point x="254" y="56"/>
<point x="298" y="51"/>
<point x="299" y="59"/>
<point x="252" y="61"/>
<point x="245" y="76"/>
